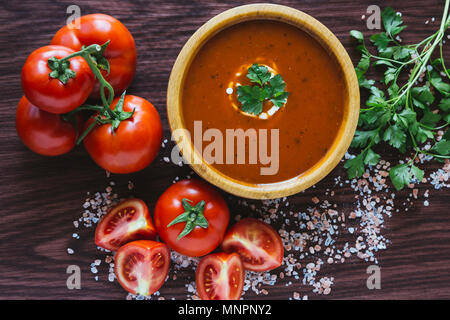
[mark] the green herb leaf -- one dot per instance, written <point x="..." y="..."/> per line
<point x="355" y="166"/>
<point x="258" y="74"/>
<point x="267" y="87"/>
<point x="392" y="21"/>
<point x="401" y="53"/>
<point x="365" y="83"/>
<point x="280" y="100"/>
<point x="395" y="136"/>
<point x="406" y="118"/>
<point x="400" y="176"/>
<point x="430" y="119"/>
<point x="277" y="85"/>
<point x="417" y="172"/>
<point x="371" y="158"/>
<point x="363" y="64"/>
<point x="442" y="147"/>
<point x="357" y="35"/>
<point x="251" y="98"/>
<point x="423" y="134"/>
<point x="389" y="75"/>
<point x="377" y="117"/>
<point x="362" y="138"/>
<point x="422" y="96"/>
<point x="439" y="84"/>
<point x="380" y="40"/>
<point x="444" y="104"/>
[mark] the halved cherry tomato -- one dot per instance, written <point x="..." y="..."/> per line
<point x="142" y="266"/>
<point x="133" y="145"/>
<point x="43" y="132"/>
<point x="50" y="94"/>
<point x="220" y="276"/>
<point x="202" y="202"/>
<point x="126" y="222"/>
<point x="120" y="53"/>
<point x="258" y="244"/>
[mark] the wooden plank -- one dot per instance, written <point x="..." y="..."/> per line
<point x="41" y="197"/>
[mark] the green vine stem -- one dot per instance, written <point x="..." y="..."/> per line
<point x="91" y="54"/>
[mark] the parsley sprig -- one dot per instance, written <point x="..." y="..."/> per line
<point x="266" y="87"/>
<point x="402" y="116"/>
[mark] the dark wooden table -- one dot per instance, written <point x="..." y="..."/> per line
<point x="40" y="197"/>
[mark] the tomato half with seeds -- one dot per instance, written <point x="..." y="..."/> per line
<point x="220" y="276"/>
<point x="43" y="132"/>
<point x="191" y="217"/>
<point x="128" y="221"/>
<point x="120" y="52"/>
<point x="258" y="244"/>
<point x="133" y="145"/>
<point x="142" y="266"/>
<point x="51" y="94"/>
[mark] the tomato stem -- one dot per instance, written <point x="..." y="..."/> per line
<point x="85" y="133"/>
<point x="193" y="216"/>
<point x="85" y="51"/>
<point x="103" y="84"/>
<point x="93" y="55"/>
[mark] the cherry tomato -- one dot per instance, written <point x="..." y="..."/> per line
<point x="202" y="202"/>
<point x="142" y="266"/>
<point x="258" y="244"/>
<point x="50" y="94"/>
<point x="43" y="132"/>
<point x="126" y="222"/>
<point x="120" y="53"/>
<point x="133" y="145"/>
<point x="220" y="276"/>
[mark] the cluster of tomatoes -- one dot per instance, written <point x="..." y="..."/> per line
<point x="92" y="60"/>
<point x="192" y="218"/>
<point x="95" y="62"/>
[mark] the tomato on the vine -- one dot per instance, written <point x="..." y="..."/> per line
<point x="142" y="266"/>
<point x="43" y="132"/>
<point x="58" y="90"/>
<point x="191" y="217"/>
<point x="128" y="221"/>
<point x="133" y="145"/>
<point x="120" y="52"/>
<point x="220" y="276"/>
<point x="258" y="244"/>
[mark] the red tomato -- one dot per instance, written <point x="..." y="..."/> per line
<point x="51" y="94"/>
<point x="120" y="53"/>
<point x="133" y="145"/>
<point x="220" y="276"/>
<point x="126" y="222"/>
<point x="42" y="132"/>
<point x="201" y="240"/>
<point x="258" y="244"/>
<point x="142" y="266"/>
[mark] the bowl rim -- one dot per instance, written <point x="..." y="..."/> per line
<point x="320" y="33"/>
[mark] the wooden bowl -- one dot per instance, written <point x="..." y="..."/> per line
<point x="323" y="36"/>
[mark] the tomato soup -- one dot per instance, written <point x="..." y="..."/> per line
<point x="308" y="122"/>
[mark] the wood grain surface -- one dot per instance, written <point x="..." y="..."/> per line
<point x="40" y="197"/>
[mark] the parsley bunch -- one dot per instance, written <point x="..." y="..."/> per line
<point x="266" y="87"/>
<point x="402" y="116"/>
